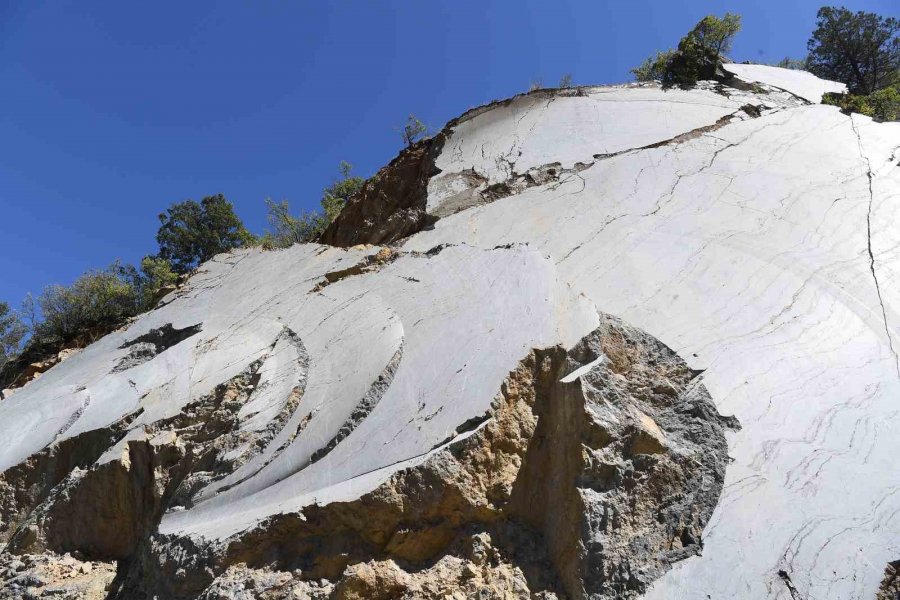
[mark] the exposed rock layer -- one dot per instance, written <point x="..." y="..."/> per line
<point x="391" y="203"/>
<point x="588" y="488"/>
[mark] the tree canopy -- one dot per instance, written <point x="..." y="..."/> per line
<point x="700" y="51"/>
<point x="192" y="232"/>
<point x="859" y="49"/>
<point x="697" y="56"/>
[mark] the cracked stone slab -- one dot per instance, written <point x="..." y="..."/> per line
<point x="534" y="130"/>
<point x="800" y="83"/>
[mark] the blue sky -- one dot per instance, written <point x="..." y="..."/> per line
<point x="109" y="112"/>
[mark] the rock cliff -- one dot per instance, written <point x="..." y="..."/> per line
<point x="503" y="374"/>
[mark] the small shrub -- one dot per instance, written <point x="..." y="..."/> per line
<point x="792" y="63"/>
<point x="536" y="84"/>
<point x="885" y="104"/>
<point x="882" y="105"/>
<point x="565" y="81"/>
<point x="96" y="302"/>
<point x="286" y="229"/>
<point x="336" y="196"/>
<point x="414" y="130"/>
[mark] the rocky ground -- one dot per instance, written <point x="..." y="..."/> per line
<point x="49" y="575"/>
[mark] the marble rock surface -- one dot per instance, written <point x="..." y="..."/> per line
<point x="605" y="273"/>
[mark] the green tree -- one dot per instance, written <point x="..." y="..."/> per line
<point x="715" y="35"/>
<point x="96" y="303"/>
<point x="287" y="230"/>
<point x="191" y="232"/>
<point x="414" y="130"/>
<point x="859" y="49"/>
<point x="700" y="51"/>
<point x="697" y="56"/>
<point x="12" y="334"/>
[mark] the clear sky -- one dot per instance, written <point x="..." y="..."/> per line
<point x="111" y="111"/>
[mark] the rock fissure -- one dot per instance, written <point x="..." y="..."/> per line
<point x="393" y="204"/>
<point x="792" y="589"/>
<point x="479" y="192"/>
<point x="871" y="255"/>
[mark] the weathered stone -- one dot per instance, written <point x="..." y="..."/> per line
<point x="890" y="585"/>
<point x="53" y="576"/>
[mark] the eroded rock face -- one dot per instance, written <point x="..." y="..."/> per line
<point x="581" y="480"/>
<point x="641" y="439"/>
<point x="458" y="414"/>
<point x="590" y="474"/>
<point x="391" y="204"/>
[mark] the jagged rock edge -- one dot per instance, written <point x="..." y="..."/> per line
<point x="421" y="511"/>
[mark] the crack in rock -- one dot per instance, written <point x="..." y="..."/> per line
<point x="869" y="177"/>
<point x="479" y="193"/>
<point x="792" y="589"/>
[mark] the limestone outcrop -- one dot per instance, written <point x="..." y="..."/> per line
<point x="503" y="374"/>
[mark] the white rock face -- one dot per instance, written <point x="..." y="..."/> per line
<point x="762" y="249"/>
<point x="531" y="131"/>
<point x="803" y="84"/>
